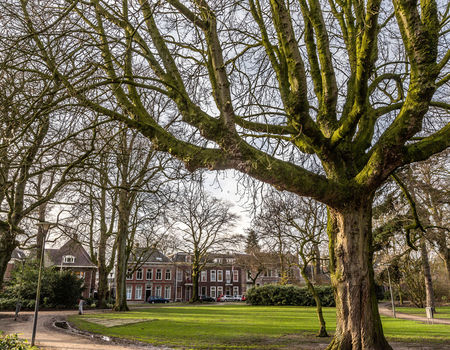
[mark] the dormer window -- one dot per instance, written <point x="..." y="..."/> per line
<point x="69" y="259"/>
<point x="158" y="258"/>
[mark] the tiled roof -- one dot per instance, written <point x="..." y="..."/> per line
<point x="18" y="254"/>
<point x="149" y="255"/>
<point x="73" y="248"/>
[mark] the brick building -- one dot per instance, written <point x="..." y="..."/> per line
<point x="220" y="275"/>
<point x="72" y="256"/>
<point x="150" y="274"/>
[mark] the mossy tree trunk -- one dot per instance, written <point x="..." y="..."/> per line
<point x="7" y="245"/>
<point x="358" y="321"/>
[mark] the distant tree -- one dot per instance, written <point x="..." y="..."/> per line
<point x="203" y="224"/>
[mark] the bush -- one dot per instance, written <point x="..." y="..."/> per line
<point x="12" y="342"/>
<point x="273" y="294"/>
<point x="59" y="289"/>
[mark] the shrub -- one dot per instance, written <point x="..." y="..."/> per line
<point x="12" y="342"/>
<point x="272" y="294"/>
<point x="59" y="289"/>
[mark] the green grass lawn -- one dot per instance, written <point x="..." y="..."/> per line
<point x="442" y="311"/>
<point x="239" y="326"/>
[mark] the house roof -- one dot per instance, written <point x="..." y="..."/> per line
<point x="149" y="255"/>
<point x="18" y="254"/>
<point x="73" y="248"/>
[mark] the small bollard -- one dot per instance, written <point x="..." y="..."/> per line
<point x="80" y="307"/>
<point x="429" y="312"/>
<point x="18" y="306"/>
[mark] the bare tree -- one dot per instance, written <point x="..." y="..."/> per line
<point x="203" y="224"/>
<point x="301" y="225"/>
<point x="268" y="88"/>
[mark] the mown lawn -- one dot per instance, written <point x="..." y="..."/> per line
<point x="239" y="326"/>
<point x="442" y="311"/>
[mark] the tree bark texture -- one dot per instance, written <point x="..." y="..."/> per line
<point x="358" y="321"/>
<point x="122" y="255"/>
<point x="7" y="246"/>
<point x="427" y="275"/>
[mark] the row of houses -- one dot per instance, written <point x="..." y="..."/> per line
<point x="155" y="274"/>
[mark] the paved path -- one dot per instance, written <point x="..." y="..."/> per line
<point x="52" y="338"/>
<point x="386" y="310"/>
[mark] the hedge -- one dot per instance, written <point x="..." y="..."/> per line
<point x="274" y="294"/>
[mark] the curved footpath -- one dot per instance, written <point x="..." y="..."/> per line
<point x="50" y="337"/>
<point x="386" y="310"/>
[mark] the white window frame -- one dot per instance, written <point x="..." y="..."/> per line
<point x="212" y="275"/>
<point x="138" y="292"/>
<point x="168" y="272"/>
<point x="167" y="292"/>
<point x="129" y="292"/>
<point x="219" y="275"/>
<point x="179" y="275"/>
<point x="158" y="272"/>
<point x="147" y="275"/>
<point x="212" y="292"/>
<point x="139" y="274"/>
<point x="235" y="290"/>
<point x="228" y="276"/>
<point x="129" y="274"/>
<point x="235" y="275"/>
<point x="204" y="276"/>
<point x="158" y="291"/>
<point x="219" y="290"/>
<point x="69" y="259"/>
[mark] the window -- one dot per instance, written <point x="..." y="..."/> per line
<point x="69" y="259"/>
<point x="139" y="274"/>
<point x="236" y="276"/>
<point x="213" y="275"/>
<point x="219" y="275"/>
<point x="158" y="291"/>
<point x="179" y="275"/>
<point x="168" y="274"/>
<point x="129" y="292"/>
<point x="129" y="274"/>
<point x="167" y="292"/>
<point x="149" y="274"/>
<point x="138" y="293"/>
<point x="159" y="274"/>
<point x="80" y="274"/>
<point x="212" y="292"/>
<point x="235" y="290"/>
<point x="249" y="276"/>
<point x="228" y="276"/>
<point x="219" y="290"/>
<point x="218" y="260"/>
<point x="230" y="261"/>
<point x="203" y="276"/>
<point x="158" y="258"/>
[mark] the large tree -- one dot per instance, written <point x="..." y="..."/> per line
<point x="269" y="88"/>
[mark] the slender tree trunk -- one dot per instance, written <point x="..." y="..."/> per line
<point x="427" y="275"/>
<point x="323" y="329"/>
<point x="195" y="276"/>
<point x="317" y="267"/>
<point x="103" y="272"/>
<point x="358" y="321"/>
<point x="7" y="246"/>
<point x="122" y="256"/>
